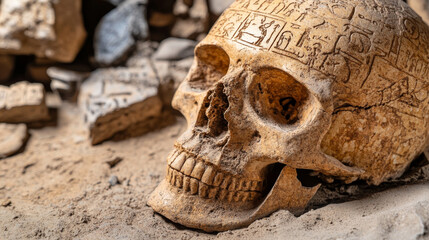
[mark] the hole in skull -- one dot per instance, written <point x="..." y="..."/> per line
<point x="213" y="112"/>
<point x="273" y="172"/>
<point x="278" y="96"/>
<point x="307" y="178"/>
<point x="289" y="108"/>
<point x="212" y="65"/>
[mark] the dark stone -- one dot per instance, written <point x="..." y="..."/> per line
<point x="118" y="31"/>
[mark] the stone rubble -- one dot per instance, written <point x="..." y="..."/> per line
<point x="23" y="102"/>
<point x="66" y="82"/>
<point x="193" y="23"/>
<point x="42" y="28"/>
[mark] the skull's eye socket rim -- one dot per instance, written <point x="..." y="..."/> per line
<point x="278" y="97"/>
<point x="212" y="64"/>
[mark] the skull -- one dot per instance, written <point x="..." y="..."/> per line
<point x="284" y="90"/>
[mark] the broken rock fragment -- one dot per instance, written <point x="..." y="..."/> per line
<point x="118" y="31"/>
<point x="23" y="102"/>
<point x="171" y="74"/>
<point x="175" y="49"/>
<point x="12" y="138"/>
<point x="66" y="82"/>
<point x="194" y="23"/>
<point x="51" y="29"/>
<point x="115" y="100"/>
<point x="142" y="54"/>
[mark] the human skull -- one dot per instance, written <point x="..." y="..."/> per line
<point x="338" y="88"/>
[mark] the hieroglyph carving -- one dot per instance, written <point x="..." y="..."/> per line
<point x="115" y="99"/>
<point x="332" y="88"/>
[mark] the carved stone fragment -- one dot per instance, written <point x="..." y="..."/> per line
<point x="285" y="91"/>
<point x="23" y="102"/>
<point x="12" y="138"/>
<point x="115" y="99"/>
<point x="42" y="28"/>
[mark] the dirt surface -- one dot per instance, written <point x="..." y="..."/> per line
<point x="61" y="187"/>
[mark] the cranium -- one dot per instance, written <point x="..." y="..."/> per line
<point x="335" y="88"/>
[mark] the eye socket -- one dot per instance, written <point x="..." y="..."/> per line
<point x="276" y="95"/>
<point x="212" y="65"/>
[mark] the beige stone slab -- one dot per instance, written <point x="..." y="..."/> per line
<point x="117" y="98"/>
<point x="23" y="102"/>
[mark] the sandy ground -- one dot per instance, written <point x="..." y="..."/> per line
<point x="58" y="188"/>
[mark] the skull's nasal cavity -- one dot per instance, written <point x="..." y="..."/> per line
<point x="214" y="109"/>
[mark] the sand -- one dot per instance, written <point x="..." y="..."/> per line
<point x="58" y="188"/>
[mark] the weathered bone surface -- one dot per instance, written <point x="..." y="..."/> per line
<point x="42" y="28"/>
<point x="23" y="102"/>
<point x="115" y="99"/>
<point x="337" y="89"/>
<point x="12" y="138"/>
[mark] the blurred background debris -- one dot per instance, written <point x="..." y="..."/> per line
<point x="120" y="60"/>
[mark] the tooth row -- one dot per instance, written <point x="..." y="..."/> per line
<point x="195" y="187"/>
<point x="188" y="166"/>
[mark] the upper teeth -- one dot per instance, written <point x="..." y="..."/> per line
<point x="196" y="177"/>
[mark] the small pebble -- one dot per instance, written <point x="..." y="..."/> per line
<point x="113" y="181"/>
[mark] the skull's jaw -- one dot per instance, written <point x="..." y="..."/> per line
<point x="230" y="211"/>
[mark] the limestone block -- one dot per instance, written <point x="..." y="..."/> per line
<point x="114" y="100"/>
<point x="23" y="102"/>
<point x="50" y="29"/>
